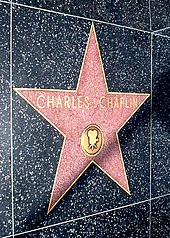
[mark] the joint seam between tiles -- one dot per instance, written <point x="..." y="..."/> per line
<point x="161" y="196"/>
<point x="2" y="1"/>
<point x="81" y="218"/>
<point x="91" y="19"/>
<point x="88" y="216"/>
<point x="150" y="15"/>
<point x="151" y="75"/>
<point x="7" y="236"/>
<point x="11" y="137"/>
<point x="164" y="36"/>
<point x="162" y="29"/>
<point x="79" y="17"/>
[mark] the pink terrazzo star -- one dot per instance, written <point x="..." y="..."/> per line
<point x="70" y="111"/>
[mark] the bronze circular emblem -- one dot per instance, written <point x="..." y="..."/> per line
<point x="92" y="140"/>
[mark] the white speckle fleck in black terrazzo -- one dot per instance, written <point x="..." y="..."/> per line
<point x="127" y="13"/>
<point x="161" y="116"/>
<point x="131" y="222"/>
<point x="37" y="144"/>
<point x="5" y="180"/>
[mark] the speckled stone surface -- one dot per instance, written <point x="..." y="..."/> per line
<point x="58" y="65"/>
<point x="5" y="180"/>
<point x="161" y="217"/>
<point x="127" y="13"/>
<point x="161" y="116"/>
<point x="48" y="52"/>
<point x="131" y="222"/>
<point x="160" y="14"/>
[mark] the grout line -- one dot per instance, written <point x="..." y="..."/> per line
<point x="79" y="17"/>
<point x="150" y="15"/>
<point x="7" y="236"/>
<point x="2" y="1"/>
<point x="12" y="190"/>
<point x="151" y="62"/>
<point x="161" y="196"/>
<point x="92" y="215"/>
<point x="163" y="29"/>
<point x="88" y="216"/>
<point x="157" y="34"/>
<point x="81" y="218"/>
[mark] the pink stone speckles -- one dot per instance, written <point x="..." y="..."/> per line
<point x="70" y="111"/>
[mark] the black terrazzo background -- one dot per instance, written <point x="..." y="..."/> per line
<point x="160" y="14"/>
<point x="94" y="191"/>
<point x="131" y="222"/>
<point x="5" y="180"/>
<point x="126" y="58"/>
<point x="48" y="49"/>
<point x="52" y="56"/>
<point x="161" y="217"/>
<point x="129" y="13"/>
<point x="161" y="116"/>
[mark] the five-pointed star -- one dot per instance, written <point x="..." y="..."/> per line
<point x="70" y="111"/>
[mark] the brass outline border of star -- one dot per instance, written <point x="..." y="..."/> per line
<point x="92" y="161"/>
